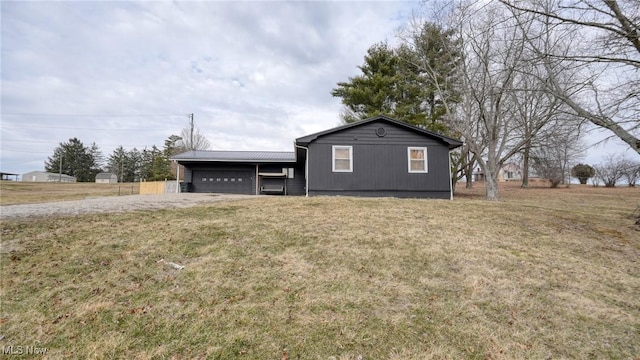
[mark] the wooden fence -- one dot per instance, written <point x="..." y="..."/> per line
<point x="158" y="187"/>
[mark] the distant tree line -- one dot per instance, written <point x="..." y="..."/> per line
<point x="148" y="164"/>
<point x="609" y="172"/>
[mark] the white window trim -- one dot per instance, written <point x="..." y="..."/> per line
<point x="426" y="162"/>
<point x="333" y="157"/>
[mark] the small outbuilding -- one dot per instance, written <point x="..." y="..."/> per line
<point x="43" y="176"/>
<point x="7" y="176"/>
<point x="106" y="178"/>
<point x="379" y="156"/>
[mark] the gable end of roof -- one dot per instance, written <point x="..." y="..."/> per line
<point x="452" y="143"/>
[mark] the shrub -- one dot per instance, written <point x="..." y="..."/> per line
<point x="583" y="172"/>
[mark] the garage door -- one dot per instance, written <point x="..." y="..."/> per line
<point x="223" y="181"/>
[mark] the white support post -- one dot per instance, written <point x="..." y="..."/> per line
<point x="177" y="176"/>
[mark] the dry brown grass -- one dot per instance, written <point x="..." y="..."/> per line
<point x="545" y="273"/>
<point x="17" y="192"/>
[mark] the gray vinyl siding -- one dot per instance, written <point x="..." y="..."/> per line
<point x="188" y="174"/>
<point x="380" y="164"/>
<point x="377" y="193"/>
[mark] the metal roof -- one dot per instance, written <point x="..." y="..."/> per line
<point x="237" y="156"/>
<point x="105" y="175"/>
<point x="49" y="174"/>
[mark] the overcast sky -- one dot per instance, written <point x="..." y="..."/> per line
<point x="256" y="75"/>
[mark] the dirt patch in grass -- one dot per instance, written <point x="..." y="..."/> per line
<point x="547" y="274"/>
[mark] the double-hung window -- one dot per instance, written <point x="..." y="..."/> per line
<point x="417" y="157"/>
<point x="342" y="157"/>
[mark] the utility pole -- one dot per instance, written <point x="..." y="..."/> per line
<point x="191" y="128"/>
<point x="60" y="173"/>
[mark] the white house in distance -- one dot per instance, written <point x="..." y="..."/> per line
<point x="508" y="172"/>
<point x="43" y="176"/>
<point x="106" y="178"/>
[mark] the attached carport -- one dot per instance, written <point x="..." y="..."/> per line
<point x="243" y="172"/>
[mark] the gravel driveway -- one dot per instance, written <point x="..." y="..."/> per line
<point x="111" y="204"/>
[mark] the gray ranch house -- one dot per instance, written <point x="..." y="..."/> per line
<point x="379" y="156"/>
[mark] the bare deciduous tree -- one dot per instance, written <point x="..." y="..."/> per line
<point x="197" y="142"/>
<point x="192" y="139"/>
<point x="631" y="171"/>
<point x="611" y="170"/>
<point x="535" y="112"/>
<point x="606" y="50"/>
<point x="556" y="154"/>
<point x="505" y="107"/>
<point x="494" y="55"/>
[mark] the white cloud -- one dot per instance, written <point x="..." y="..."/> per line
<point x="255" y="74"/>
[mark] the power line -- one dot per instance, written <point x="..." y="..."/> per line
<point x="30" y="141"/>
<point x="25" y="161"/>
<point x="77" y="128"/>
<point x="25" y="151"/>
<point x="18" y="126"/>
<point x="91" y="115"/>
<point x="58" y="142"/>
